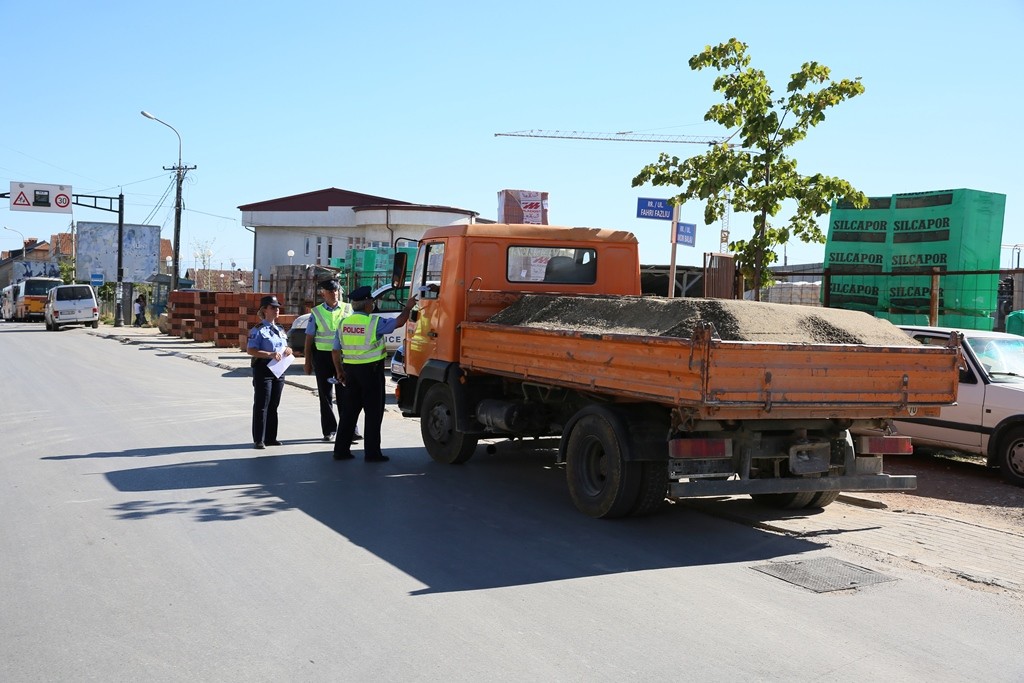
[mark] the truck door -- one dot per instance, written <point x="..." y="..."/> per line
<point x="424" y="335"/>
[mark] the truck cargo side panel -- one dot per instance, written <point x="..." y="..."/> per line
<point x="716" y="379"/>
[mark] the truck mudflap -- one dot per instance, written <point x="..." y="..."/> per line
<point x="735" y="487"/>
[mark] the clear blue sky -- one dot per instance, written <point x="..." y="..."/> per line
<point x="402" y="100"/>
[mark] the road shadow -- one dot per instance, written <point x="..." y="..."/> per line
<point x="499" y="520"/>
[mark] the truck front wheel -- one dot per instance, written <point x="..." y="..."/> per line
<point x="1011" y="456"/>
<point x="443" y="441"/>
<point x="602" y="481"/>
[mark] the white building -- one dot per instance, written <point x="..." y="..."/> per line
<point x="318" y="226"/>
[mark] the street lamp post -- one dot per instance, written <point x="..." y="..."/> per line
<point x="291" y="253"/>
<point x="179" y="172"/>
<point x="20" y="235"/>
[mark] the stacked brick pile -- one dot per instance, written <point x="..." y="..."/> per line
<point x="181" y="313"/>
<point x="223" y="318"/>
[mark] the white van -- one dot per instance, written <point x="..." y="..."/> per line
<point x="71" y="305"/>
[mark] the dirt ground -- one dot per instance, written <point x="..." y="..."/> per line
<point x="956" y="486"/>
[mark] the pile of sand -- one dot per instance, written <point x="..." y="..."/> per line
<point x="734" y="320"/>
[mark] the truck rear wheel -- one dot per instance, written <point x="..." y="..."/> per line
<point x="822" y="499"/>
<point x="784" y="501"/>
<point x="653" y="487"/>
<point x="1011" y="456"/>
<point x="602" y="481"/>
<point x="443" y="441"/>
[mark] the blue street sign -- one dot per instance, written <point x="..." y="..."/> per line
<point x="659" y="209"/>
<point x="96" y="279"/>
<point x="686" y="234"/>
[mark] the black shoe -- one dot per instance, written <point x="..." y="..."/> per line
<point x="258" y="445"/>
<point x="376" y="458"/>
<point x="357" y="437"/>
<point x="273" y="443"/>
<point x="329" y="437"/>
<point x="343" y="456"/>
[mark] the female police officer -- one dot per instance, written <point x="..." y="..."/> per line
<point x="267" y="342"/>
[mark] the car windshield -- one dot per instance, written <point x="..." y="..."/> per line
<point x="1003" y="359"/>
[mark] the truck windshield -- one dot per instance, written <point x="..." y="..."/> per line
<point x="1003" y="359"/>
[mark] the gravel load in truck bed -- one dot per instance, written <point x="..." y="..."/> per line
<point x="734" y="320"/>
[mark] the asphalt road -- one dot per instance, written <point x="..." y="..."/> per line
<point x="143" y="539"/>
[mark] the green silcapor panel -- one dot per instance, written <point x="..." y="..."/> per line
<point x="858" y="245"/>
<point x="950" y="230"/>
<point x="1015" y="323"/>
<point x="947" y="230"/>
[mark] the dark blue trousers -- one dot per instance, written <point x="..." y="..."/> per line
<point x="266" y="398"/>
<point x="364" y="393"/>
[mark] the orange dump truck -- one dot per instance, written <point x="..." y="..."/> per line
<point x="528" y="331"/>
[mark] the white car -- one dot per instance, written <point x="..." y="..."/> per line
<point x="988" y="418"/>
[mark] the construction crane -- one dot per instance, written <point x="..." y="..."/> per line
<point x="623" y="136"/>
<point x="630" y="136"/>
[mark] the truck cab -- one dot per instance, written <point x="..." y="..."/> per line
<point x="507" y="259"/>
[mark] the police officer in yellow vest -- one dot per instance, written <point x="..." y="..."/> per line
<point x="323" y="325"/>
<point x="359" y="361"/>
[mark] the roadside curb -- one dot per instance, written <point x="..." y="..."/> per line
<point x="143" y="336"/>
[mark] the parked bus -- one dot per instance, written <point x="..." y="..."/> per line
<point x="28" y="297"/>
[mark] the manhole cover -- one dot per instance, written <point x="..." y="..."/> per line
<point x="823" y="575"/>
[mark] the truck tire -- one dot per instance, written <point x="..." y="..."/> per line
<point x="603" y="483"/>
<point x="823" y="499"/>
<point x="653" y="487"/>
<point x="437" y="427"/>
<point x="784" y="501"/>
<point x="95" y="324"/>
<point x="1011" y="456"/>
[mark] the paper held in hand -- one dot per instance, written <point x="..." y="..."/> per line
<point x="279" y="366"/>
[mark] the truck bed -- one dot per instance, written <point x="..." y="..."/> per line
<point x="711" y="378"/>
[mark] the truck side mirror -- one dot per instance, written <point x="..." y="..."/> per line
<point x="398" y="272"/>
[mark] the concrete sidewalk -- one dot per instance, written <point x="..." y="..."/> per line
<point x="951" y="548"/>
<point x="227" y="358"/>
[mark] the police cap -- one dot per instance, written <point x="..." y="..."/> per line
<point x="361" y="294"/>
<point x="270" y="301"/>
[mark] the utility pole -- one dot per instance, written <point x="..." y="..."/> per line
<point x="179" y="173"/>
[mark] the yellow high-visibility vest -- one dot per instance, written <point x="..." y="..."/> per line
<point x="327" y="322"/>
<point x="359" y="344"/>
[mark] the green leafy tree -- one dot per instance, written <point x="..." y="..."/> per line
<point x="754" y="174"/>
<point x="67" y="270"/>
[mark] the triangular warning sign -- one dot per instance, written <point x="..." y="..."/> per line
<point x="21" y="200"/>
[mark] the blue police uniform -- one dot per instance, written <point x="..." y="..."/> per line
<point x="267" y="386"/>
<point x="364" y="382"/>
